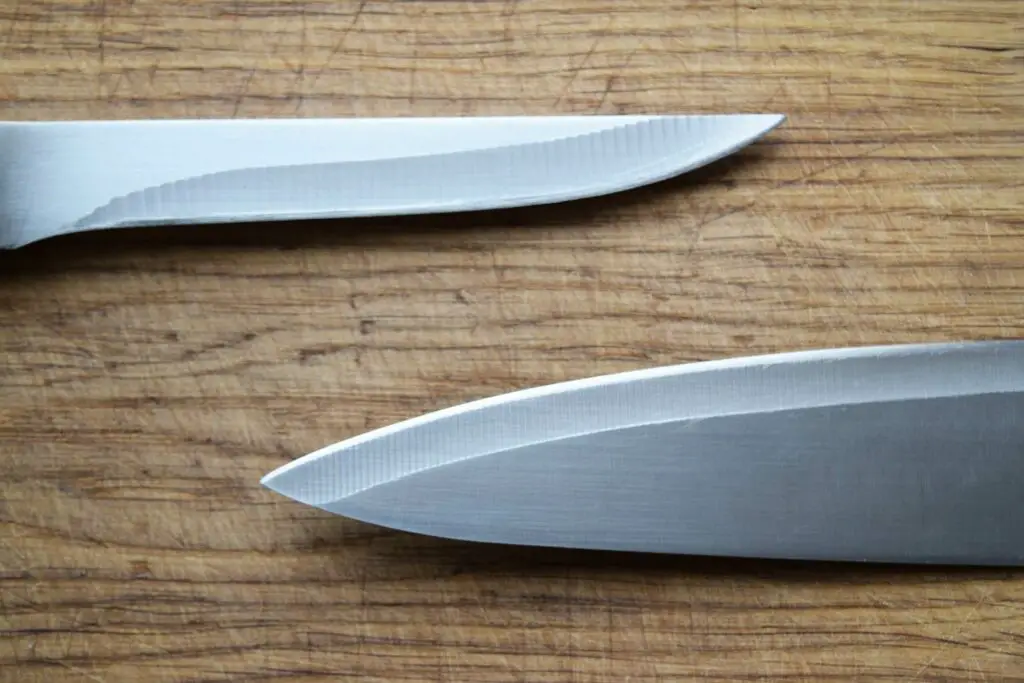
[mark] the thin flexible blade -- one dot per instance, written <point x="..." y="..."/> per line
<point x="896" y="454"/>
<point x="70" y="176"/>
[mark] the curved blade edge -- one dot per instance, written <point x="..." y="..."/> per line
<point x="344" y="477"/>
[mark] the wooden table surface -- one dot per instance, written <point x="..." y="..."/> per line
<point x="152" y="376"/>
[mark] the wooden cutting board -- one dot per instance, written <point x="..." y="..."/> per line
<point x="152" y="376"/>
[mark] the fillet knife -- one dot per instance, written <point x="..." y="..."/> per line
<point x="60" y="177"/>
<point x="896" y="454"/>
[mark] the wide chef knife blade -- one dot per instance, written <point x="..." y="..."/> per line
<point x="59" y="177"/>
<point x="892" y="454"/>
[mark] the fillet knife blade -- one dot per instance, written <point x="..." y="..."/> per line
<point x="897" y="454"/>
<point x="59" y="177"/>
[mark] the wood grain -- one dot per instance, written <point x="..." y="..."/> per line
<point x="153" y="376"/>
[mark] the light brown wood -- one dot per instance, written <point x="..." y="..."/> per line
<point x="152" y="376"/>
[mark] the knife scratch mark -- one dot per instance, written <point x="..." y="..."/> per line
<point x="341" y="42"/>
<point x="703" y="222"/>
<point x="509" y="12"/>
<point x="414" y="69"/>
<point x="102" y="34"/>
<point x="582" y="65"/>
<point x="767" y="106"/>
<point x="15" y="15"/>
<point x="736" y="24"/>
<point x="954" y="639"/>
<point x="101" y="46"/>
<point x="609" y="83"/>
<point x="614" y="79"/>
<point x="300" y="80"/>
<point x="243" y="91"/>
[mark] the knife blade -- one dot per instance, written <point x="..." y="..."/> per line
<point x="59" y="177"/>
<point x="905" y="453"/>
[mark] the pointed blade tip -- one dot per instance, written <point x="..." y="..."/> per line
<point x="763" y="123"/>
<point x="760" y="124"/>
<point x="284" y="479"/>
<point x="271" y="479"/>
<point x="320" y="477"/>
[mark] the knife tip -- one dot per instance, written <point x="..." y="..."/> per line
<point x="285" y="480"/>
<point x="766" y="122"/>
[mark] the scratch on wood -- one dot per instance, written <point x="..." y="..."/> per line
<point x="579" y="68"/>
<point x="340" y="43"/>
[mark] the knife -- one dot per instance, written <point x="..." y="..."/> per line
<point x="898" y="454"/>
<point x="69" y="176"/>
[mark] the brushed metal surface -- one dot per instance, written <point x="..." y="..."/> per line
<point x="60" y="177"/>
<point x="895" y="454"/>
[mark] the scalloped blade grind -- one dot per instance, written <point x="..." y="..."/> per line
<point x="61" y="177"/>
<point x="906" y="454"/>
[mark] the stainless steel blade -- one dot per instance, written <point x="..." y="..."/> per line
<point x="892" y="454"/>
<point x="59" y="177"/>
